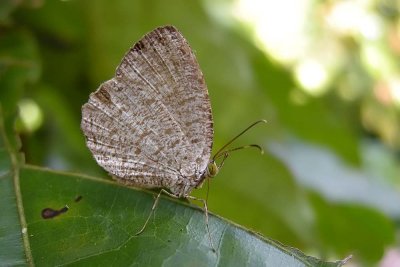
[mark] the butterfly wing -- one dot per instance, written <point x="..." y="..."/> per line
<point x="151" y="125"/>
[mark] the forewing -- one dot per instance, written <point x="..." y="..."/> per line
<point x="152" y="124"/>
<point x="164" y="62"/>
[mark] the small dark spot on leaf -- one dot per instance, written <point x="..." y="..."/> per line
<point x="49" y="213"/>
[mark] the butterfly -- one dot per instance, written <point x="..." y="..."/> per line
<point x="151" y="125"/>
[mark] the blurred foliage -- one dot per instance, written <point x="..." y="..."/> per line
<point x="328" y="146"/>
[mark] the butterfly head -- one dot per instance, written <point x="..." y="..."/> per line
<point x="223" y="153"/>
<point x="212" y="169"/>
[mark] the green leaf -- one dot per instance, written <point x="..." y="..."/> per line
<point x="100" y="220"/>
<point x="11" y="241"/>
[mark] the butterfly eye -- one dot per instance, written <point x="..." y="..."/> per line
<point x="212" y="169"/>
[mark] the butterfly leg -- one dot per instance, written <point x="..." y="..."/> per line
<point x="154" y="207"/>
<point x="206" y="215"/>
<point x="174" y="196"/>
<point x="151" y="212"/>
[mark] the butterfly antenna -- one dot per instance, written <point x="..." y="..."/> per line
<point x="221" y="151"/>
<point x="225" y="154"/>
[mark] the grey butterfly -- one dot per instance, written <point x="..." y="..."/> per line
<point x="151" y="125"/>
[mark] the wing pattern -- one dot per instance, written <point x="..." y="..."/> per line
<point x="151" y="125"/>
